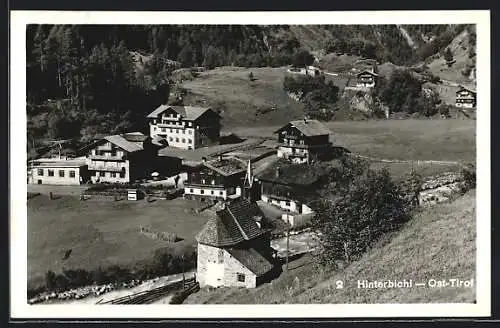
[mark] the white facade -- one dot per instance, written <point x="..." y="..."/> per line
<point x="287" y="205"/>
<point x="206" y="191"/>
<point x="299" y="155"/>
<point x="109" y="171"/>
<point x="216" y="267"/>
<point x="181" y="135"/>
<point x="54" y="175"/>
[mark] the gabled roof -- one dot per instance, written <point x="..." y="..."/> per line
<point x="130" y="142"/>
<point x="226" y="166"/>
<point x="252" y="260"/>
<point x="462" y="87"/>
<point x="125" y="144"/>
<point x="187" y="112"/>
<point x="308" y="127"/>
<point x="367" y="71"/>
<point x="232" y="225"/>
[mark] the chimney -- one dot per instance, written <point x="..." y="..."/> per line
<point x="203" y="159"/>
<point x="305" y="120"/>
<point x="277" y="172"/>
<point x="220" y="157"/>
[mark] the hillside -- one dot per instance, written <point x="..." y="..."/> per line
<point x="439" y="243"/>
<point x="85" y="81"/>
<point x="241" y="101"/>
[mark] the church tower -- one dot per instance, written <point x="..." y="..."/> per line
<point x="250" y="184"/>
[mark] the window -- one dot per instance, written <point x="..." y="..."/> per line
<point x="122" y="175"/>
<point x="190" y="123"/>
<point x="190" y="132"/>
<point x="221" y="193"/>
<point x="40" y="172"/>
<point x="72" y="174"/>
<point x="212" y="192"/>
<point x="176" y="139"/>
<point x="61" y="173"/>
<point x="113" y="174"/>
<point x="154" y="128"/>
<point x="190" y="141"/>
<point x="183" y="140"/>
<point x="202" y="191"/>
<point x="240" y="277"/>
<point x="171" y="139"/>
<point x="191" y="190"/>
<point x="163" y="130"/>
<point x="171" y="130"/>
<point x="220" y="255"/>
<point x="102" y="174"/>
<point x="51" y="173"/>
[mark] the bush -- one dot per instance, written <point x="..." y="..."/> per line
<point x="372" y="206"/>
<point x="468" y="175"/>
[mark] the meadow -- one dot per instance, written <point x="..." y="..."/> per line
<point x="101" y="233"/>
<point x="443" y="140"/>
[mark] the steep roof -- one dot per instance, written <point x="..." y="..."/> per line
<point x="122" y="142"/>
<point x="367" y="71"/>
<point x="463" y="87"/>
<point x="187" y="112"/>
<point x="130" y="142"/>
<point x="226" y="166"/>
<point x="308" y="127"/>
<point x="252" y="260"/>
<point x="232" y="225"/>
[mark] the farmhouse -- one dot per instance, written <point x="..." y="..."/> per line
<point x="465" y="97"/>
<point x="185" y="127"/>
<point x="287" y="185"/>
<point x="58" y="171"/>
<point x="219" y="178"/>
<point x="303" y="141"/>
<point x="121" y="158"/>
<point x="366" y="79"/>
<point x="233" y="250"/>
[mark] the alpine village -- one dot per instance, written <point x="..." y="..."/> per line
<point x="176" y="170"/>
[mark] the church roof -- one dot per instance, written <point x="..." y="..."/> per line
<point x="231" y="225"/>
<point x="252" y="260"/>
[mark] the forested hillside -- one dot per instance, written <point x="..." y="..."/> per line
<point x="82" y="80"/>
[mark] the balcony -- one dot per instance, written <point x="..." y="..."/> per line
<point x="104" y="168"/>
<point x="106" y="158"/>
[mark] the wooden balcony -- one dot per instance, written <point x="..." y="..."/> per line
<point x="106" y="158"/>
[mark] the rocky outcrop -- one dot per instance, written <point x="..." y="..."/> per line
<point x="441" y="188"/>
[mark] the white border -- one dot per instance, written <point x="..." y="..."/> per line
<point x="18" y="224"/>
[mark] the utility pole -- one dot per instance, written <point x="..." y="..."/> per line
<point x="287" y="238"/>
<point x="183" y="273"/>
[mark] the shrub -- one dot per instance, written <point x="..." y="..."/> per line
<point x="372" y="206"/>
<point x="468" y="175"/>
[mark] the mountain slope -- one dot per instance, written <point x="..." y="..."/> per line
<point x="438" y="243"/>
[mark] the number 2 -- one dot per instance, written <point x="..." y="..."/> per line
<point x="340" y="284"/>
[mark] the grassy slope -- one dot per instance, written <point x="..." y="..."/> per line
<point x="100" y="233"/>
<point x="459" y="47"/>
<point x="230" y="89"/>
<point x="438" y="243"/>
